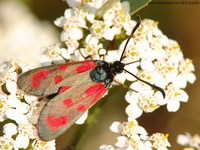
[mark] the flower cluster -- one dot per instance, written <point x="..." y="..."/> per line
<point x="18" y="113"/>
<point x="188" y="141"/>
<point x="134" y="137"/>
<point x="159" y="60"/>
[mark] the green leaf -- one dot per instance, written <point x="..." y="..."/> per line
<point x="106" y="6"/>
<point x="136" y="5"/>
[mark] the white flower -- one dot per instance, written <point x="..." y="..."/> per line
<point x="9" y="129"/>
<point x="129" y="129"/>
<point x="42" y="145"/>
<point x="22" y="141"/>
<point x="6" y="143"/>
<point x="133" y="111"/>
<point x="167" y="69"/>
<point x="122" y="141"/>
<point x="184" y="139"/>
<point x="7" y="76"/>
<point x="92" y="47"/>
<point x="189" y="140"/>
<point x="174" y="95"/>
<point x="26" y="131"/>
<point x="185" y="74"/>
<point x="160" y="141"/>
<point x="72" y="45"/>
<point x="13" y="114"/>
<point x="4" y="106"/>
<point x="106" y="147"/>
<point x="54" y="54"/>
<point x="99" y="29"/>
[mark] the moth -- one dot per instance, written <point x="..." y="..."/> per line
<point x="71" y="88"/>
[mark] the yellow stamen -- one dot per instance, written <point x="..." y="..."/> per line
<point x="123" y="18"/>
<point x="189" y="62"/>
<point x="171" y="68"/>
<point x="177" y="47"/>
<point x="43" y="143"/>
<point x="141" y="28"/>
<point x="166" y="136"/>
<point x="153" y="106"/>
<point x="176" y="94"/>
<point x="121" y="11"/>
<point x="155" y="24"/>
<point x="133" y="53"/>
<point x="89" y="49"/>
<point x="1" y="104"/>
<point x="131" y="124"/>
<point x="97" y="29"/>
<point x="6" y="146"/>
<point x="132" y="140"/>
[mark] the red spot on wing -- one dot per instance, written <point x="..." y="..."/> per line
<point x="86" y="66"/>
<point x="64" y="88"/>
<point x="94" y="89"/>
<point x="57" y="79"/>
<point x="81" y="108"/>
<point x="55" y="123"/>
<point x="37" y="77"/>
<point x="63" y="67"/>
<point x="99" y="96"/>
<point x="68" y="102"/>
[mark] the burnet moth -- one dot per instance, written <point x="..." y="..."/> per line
<point x="71" y="88"/>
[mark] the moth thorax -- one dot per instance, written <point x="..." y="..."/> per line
<point x="117" y="67"/>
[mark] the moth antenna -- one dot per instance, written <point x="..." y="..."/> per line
<point x="133" y="31"/>
<point x="151" y="85"/>
<point x="132" y="62"/>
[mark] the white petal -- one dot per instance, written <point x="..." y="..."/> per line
<point x="90" y="39"/>
<point x="64" y="53"/>
<point x="180" y="82"/>
<point x="106" y="147"/>
<point x="120" y="77"/>
<point x="147" y="65"/>
<point x="191" y="78"/>
<point x="183" y="140"/>
<point x="126" y="6"/>
<point x="132" y="97"/>
<point x="73" y="3"/>
<point x="133" y="111"/>
<point x="29" y="99"/>
<point x="82" y="119"/>
<point x="59" y="22"/>
<point x="45" y="61"/>
<point x="9" y="129"/>
<point x="121" y="141"/>
<point x="13" y="101"/>
<point x="11" y="86"/>
<point x="69" y="13"/>
<point x="22" y="141"/>
<point x="183" y="97"/>
<point x="13" y="114"/>
<point x="116" y="127"/>
<point x="75" y="33"/>
<point x="140" y="130"/>
<point x="22" y="108"/>
<point x="173" y="105"/>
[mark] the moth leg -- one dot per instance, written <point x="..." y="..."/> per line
<point x="118" y="81"/>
